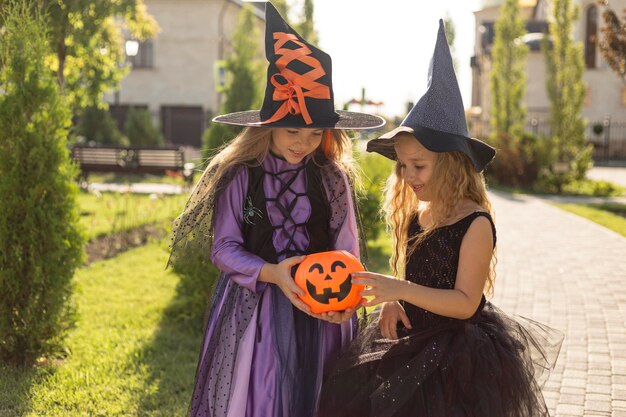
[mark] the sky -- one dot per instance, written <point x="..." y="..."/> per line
<point x="386" y="47"/>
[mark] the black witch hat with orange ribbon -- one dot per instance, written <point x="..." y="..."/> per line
<point x="299" y="92"/>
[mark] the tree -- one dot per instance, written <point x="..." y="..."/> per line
<point x="87" y="43"/>
<point x="508" y="82"/>
<point x="517" y="163"/>
<point x="97" y="125"/>
<point x="243" y="91"/>
<point x="566" y="92"/>
<point x="282" y="7"/>
<point x="140" y="130"/>
<point x="613" y="41"/>
<point x="450" y="36"/>
<point x="306" y="28"/>
<point x="40" y="241"/>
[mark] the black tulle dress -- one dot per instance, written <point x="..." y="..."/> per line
<point x="491" y="365"/>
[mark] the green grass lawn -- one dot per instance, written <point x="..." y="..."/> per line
<point x="107" y="213"/>
<point x="135" y="346"/>
<point x="127" y="355"/>
<point x="133" y="351"/>
<point x="379" y="252"/>
<point x="609" y="215"/>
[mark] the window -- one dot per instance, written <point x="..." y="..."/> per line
<point x="145" y="55"/>
<point x="591" y="36"/>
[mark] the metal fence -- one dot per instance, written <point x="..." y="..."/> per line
<point x="608" y="137"/>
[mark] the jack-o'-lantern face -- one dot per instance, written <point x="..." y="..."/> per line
<point x="326" y="279"/>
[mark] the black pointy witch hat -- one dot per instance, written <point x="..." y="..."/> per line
<point x="438" y="119"/>
<point x="299" y="90"/>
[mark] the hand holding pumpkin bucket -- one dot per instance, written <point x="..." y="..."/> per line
<point x="326" y="279"/>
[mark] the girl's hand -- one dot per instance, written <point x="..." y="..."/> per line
<point x="382" y="287"/>
<point x="336" y="316"/>
<point x="391" y="313"/>
<point x="281" y="276"/>
<point x="339" y="316"/>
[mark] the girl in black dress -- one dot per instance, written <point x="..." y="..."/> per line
<point x="437" y="348"/>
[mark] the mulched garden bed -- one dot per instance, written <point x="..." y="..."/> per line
<point x="108" y="246"/>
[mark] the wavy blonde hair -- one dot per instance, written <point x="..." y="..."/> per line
<point x="452" y="181"/>
<point x="250" y="148"/>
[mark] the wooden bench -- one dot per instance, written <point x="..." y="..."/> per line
<point x="132" y="160"/>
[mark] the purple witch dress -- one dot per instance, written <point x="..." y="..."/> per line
<point x="261" y="356"/>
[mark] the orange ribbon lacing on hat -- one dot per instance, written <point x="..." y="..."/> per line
<point x="296" y="86"/>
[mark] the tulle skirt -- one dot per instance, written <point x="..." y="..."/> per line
<point x="491" y="365"/>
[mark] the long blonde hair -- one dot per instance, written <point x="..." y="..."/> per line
<point x="250" y="148"/>
<point x="452" y="181"/>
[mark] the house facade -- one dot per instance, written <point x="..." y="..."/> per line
<point x="605" y="100"/>
<point x="176" y="75"/>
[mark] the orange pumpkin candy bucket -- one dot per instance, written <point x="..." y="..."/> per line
<point x="326" y="279"/>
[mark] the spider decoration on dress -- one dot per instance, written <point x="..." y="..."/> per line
<point x="249" y="211"/>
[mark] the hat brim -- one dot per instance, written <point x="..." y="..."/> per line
<point x="435" y="141"/>
<point x="347" y="120"/>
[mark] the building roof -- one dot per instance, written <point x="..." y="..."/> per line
<point x="258" y="7"/>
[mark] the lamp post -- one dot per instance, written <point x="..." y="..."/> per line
<point x="131" y="48"/>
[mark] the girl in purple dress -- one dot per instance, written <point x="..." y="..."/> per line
<point x="279" y="190"/>
<point x="437" y="347"/>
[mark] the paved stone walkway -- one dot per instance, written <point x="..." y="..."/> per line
<point x="139" y="188"/>
<point x="569" y="273"/>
